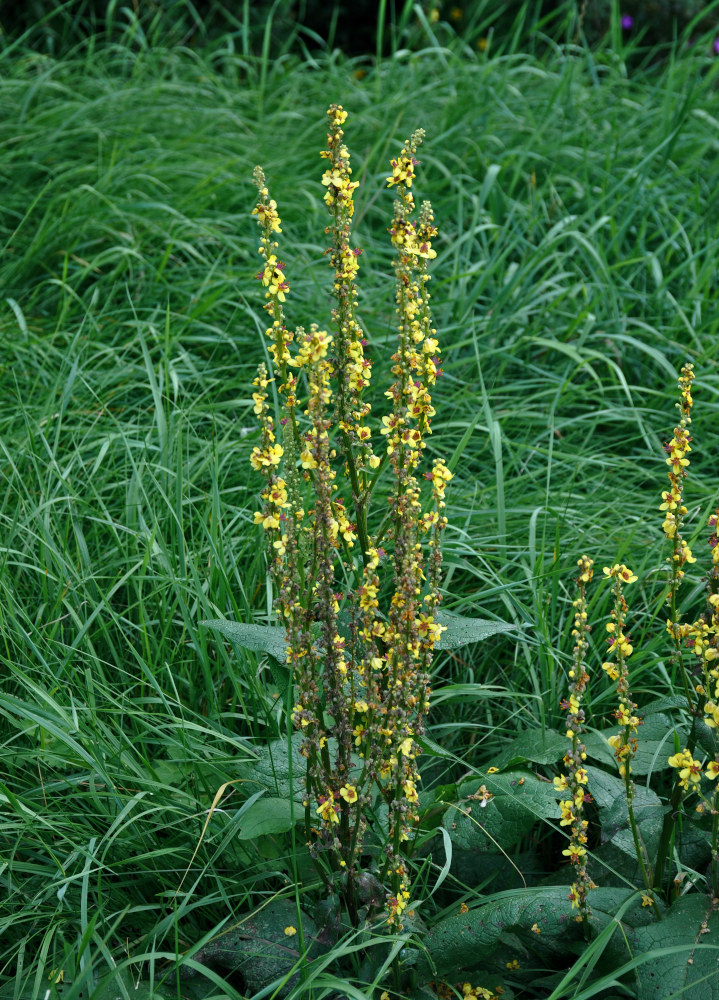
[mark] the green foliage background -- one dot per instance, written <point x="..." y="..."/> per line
<point x="576" y="192"/>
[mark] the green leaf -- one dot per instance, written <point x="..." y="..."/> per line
<point x="655" y="744"/>
<point x="461" y="631"/>
<point x="541" y="746"/>
<point x="690" y="921"/>
<point x="465" y="940"/>
<point x="119" y="985"/>
<point x="259" y="949"/>
<point x="271" y="769"/>
<point x="267" y="815"/>
<point x="519" y="799"/>
<point x="271" y="638"/>
<point x="259" y="638"/>
<point x="433" y="749"/>
<point x="617" y="854"/>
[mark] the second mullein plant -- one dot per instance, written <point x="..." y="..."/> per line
<point x="701" y="639"/>
<point x="356" y="588"/>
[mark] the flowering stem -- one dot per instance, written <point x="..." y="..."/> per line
<point x="674" y="512"/>
<point x="625" y="742"/>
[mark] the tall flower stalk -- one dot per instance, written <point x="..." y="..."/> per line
<point x="624" y="743"/>
<point x="358" y="593"/>
<point x="674" y="512"/>
<point x="574" y="781"/>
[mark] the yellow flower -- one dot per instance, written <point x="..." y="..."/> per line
<point x="328" y="812"/>
<point x="712" y="770"/>
<point x="566" y="812"/>
<point x="290" y="931"/>
<point x="348" y="793"/>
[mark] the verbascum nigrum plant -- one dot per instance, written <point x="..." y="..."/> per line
<point x="356" y="583"/>
<point x="573" y="781"/>
<point x="694" y="659"/>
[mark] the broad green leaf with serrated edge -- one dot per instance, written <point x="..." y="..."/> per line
<point x="259" y="949"/>
<point x="271" y="769"/>
<point x="465" y="940"/>
<point x="541" y="746"/>
<point x="120" y="985"/>
<point x="693" y="921"/>
<point x="259" y="638"/>
<point x="271" y="638"/>
<point x="461" y="631"/>
<point x="655" y="744"/>
<point x="267" y="815"/>
<point x="519" y="799"/>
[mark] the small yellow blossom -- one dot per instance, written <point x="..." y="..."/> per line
<point x="349" y="793"/>
<point x="328" y="812"/>
<point x="290" y="931"/>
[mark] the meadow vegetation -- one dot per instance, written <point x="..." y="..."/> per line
<point x="157" y="835"/>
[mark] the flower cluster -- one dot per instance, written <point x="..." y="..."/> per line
<point x="444" y="991"/>
<point x="575" y="778"/>
<point x="361" y="621"/>
<point x="624" y="743"/>
<point x="703" y="635"/>
<point x="673" y="500"/>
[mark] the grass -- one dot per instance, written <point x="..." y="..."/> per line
<point x="577" y="208"/>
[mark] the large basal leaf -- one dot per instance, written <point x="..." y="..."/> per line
<point x="655" y="744"/>
<point x="519" y="799"/>
<point x="692" y="922"/>
<point x="259" y="638"/>
<point x="259" y="949"/>
<point x="268" y="815"/>
<point x="121" y="984"/>
<point x="615" y="859"/>
<point x="541" y="746"/>
<point x="461" y="631"/>
<point x="271" y="638"/>
<point x="271" y="770"/>
<point x="608" y="792"/>
<point x="466" y="940"/>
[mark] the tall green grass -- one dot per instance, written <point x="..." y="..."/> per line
<point x="578" y="211"/>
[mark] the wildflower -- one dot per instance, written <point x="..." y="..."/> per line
<point x="327" y="811"/>
<point x="690" y="771"/>
<point x="627" y="22"/>
<point x="366" y="683"/>
<point x="570" y="808"/>
<point x="290" y="931"/>
<point x="514" y="964"/>
<point x="574" y="852"/>
<point x="349" y="793"/>
<point x="673" y="505"/>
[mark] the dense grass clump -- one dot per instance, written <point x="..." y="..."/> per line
<point x="575" y="274"/>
